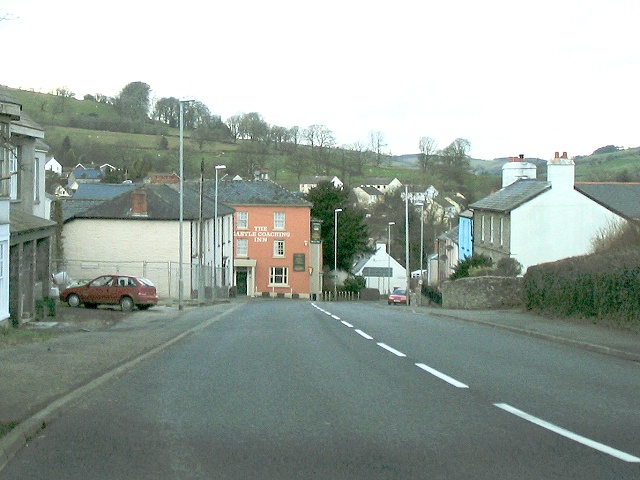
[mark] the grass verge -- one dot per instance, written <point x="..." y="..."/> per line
<point x="10" y="336"/>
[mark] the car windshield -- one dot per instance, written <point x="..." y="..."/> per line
<point x="398" y="292"/>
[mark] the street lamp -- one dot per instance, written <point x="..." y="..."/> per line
<point x="215" y="230"/>
<point x="181" y="221"/>
<point x="335" y="252"/>
<point x="406" y="243"/>
<point x="421" y="281"/>
<point x="389" y="259"/>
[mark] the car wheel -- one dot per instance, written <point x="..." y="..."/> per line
<point x="73" y="300"/>
<point x="126" y="303"/>
<point x="144" y="307"/>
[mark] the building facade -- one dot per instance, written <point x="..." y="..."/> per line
<point x="274" y="255"/>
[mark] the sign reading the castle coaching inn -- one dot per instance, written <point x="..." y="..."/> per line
<point x="262" y="234"/>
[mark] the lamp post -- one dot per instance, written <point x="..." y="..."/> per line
<point x="215" y="230"/>
<point x="335" y="252"/>
<point x="390" y="277"/>
<point x="181" y="219"/>
<point x="406" y="243"/>
<point x="420" y="282"/>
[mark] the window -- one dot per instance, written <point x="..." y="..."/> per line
<point x="278" y="220"/>
<point x="501" y="237"/>
<point x="482" y="228"/>
<point x="278" y="276"/>
<point x="243" y="220"/>
<point x="491" y="229"/>
<point x="278" y="248"/>
<point x="36" y="181"/>
<point x="242" y="247"/>
<point x="14" y="172"/>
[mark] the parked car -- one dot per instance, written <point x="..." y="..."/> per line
<point x="397" y="297"/>
<point x="124" y="290"/>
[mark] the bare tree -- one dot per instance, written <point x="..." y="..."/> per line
<point x="428" y="150"/>
<point x="376" y="140"/>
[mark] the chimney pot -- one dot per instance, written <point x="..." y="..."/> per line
<point x="521" y="156"/>
<point x="557" y="154"/>
<point x="564" y="154"/>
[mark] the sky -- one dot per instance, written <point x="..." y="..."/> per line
<point x="511" y="77"/>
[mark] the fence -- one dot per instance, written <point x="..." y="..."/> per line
<point x="198" y="280"/>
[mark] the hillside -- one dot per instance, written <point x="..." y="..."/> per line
<point x="86" y="131"/>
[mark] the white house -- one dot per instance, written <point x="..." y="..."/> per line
<point x="53" y="165"/>
<point x="312" y="182"/>
<point x="368" y="196"/>
<point x="25" y="235"/>
<point x="385" y="185"/>
<point x="381" y="271"/>
<point x="535" y="221"/>
<point x="137" y="232"/>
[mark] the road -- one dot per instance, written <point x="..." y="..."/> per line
<point x="294" y="389"/>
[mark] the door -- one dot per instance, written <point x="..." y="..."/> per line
<point x="241" y="281"/>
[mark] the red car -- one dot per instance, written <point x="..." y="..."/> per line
<point x="398" y="297"/>
<point x="124" y="290"/>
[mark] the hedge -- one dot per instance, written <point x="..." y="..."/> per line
<point x="595" y="286"/>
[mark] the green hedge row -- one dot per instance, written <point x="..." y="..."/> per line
<point x="596" y="286"/>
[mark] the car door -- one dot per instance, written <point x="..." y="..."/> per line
<point x="98" y="290"/>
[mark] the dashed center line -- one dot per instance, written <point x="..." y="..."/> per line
<point x="365" y="335"/>
<point x="441" y="376"/>
<point x="568" y="434"/>
<point x="346" y="324"/>
<point x="391" y="349"/>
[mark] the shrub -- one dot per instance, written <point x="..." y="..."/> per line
<point x="354" y="284"/>
<point x="475" y="261"/>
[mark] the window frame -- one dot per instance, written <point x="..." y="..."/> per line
<point x="242" y="222"/>
<point x="279" y="223"/>
<point x="278" y="273"/>
<point x="245" y="242"/>
<point x="278" y="248"/>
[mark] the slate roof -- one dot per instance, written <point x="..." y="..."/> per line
<point x="22" y="223"/>
<point x="262" y="192"/>
<point x="512" y="196"/>
<point x="101" y="191"/>
<point x="163" y="203"/>
<point x="370" y="190"/>
<point x="87" y="173"/>
<point x="621" y="198"/>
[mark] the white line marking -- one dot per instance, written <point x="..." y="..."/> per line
<point x="441" y="376"/>
<point x="570" y="435"/>
<point x="362" y="334"/>
<point x="392" y="350"/>
<point x="335" y="316"/>
<point x="328" y="313"/>
<point x="346" y="324"/>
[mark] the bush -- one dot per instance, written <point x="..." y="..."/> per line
<point x="593" y="286"/>
<point x="354" y="284"/>
<point x="476" y="261"/>
<point x="432" y="293"/>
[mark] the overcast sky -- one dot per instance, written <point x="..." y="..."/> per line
<point x="511" y="77"/>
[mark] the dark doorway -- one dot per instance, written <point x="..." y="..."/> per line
<point x="241" y="281"/>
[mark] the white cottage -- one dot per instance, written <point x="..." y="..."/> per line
<point x="381" y="271"/>
<point x="536" y="221"/>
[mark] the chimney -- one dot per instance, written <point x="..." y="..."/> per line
<point x="517" y="169"/>
<point x="139" y="203"/>
<point x="561" y="172"/>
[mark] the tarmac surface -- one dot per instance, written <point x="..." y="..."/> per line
<point x="39" y="380"/>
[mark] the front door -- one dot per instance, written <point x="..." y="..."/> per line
<point x="241" y="281"/>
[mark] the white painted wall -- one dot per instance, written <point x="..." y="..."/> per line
<point x="380" y="259"/>
<point x="557" y="224"/>
<point x="96" y="247"/>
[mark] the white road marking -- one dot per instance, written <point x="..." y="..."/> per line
<point x="568" y="434"/>
<point x="328" y="313"/>
<point x="362" y="334"/>
<point x="441" y="376"/>
<point x="335" y="316"/>
<point x="346" y="324"/>
<point x="392" y="350"/>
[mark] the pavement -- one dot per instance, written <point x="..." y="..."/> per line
<point x="89" y="347"/>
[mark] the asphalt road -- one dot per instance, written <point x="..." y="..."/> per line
<point x="286" y="389"/>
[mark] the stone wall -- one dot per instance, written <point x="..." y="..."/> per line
<point x="477" y="293"/>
